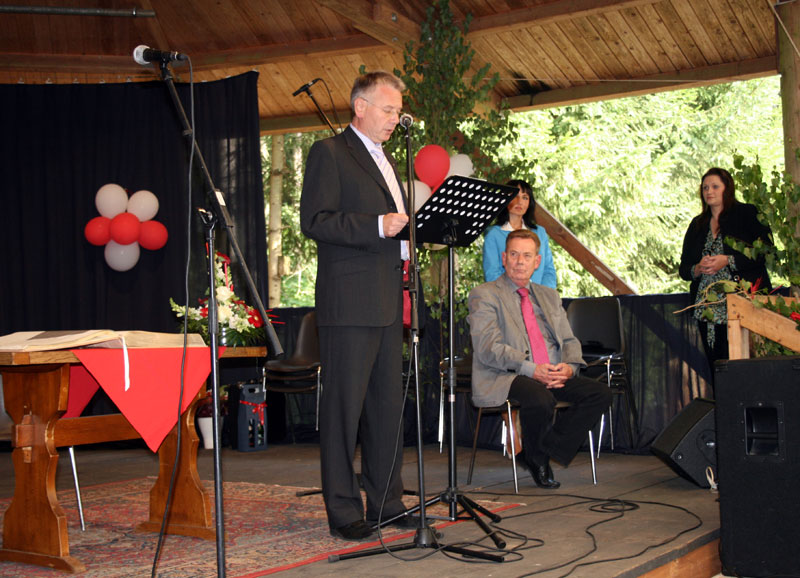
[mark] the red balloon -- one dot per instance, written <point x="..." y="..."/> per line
<point x="431" y="165"/>
<point x="125" y="228"/>
<point x="98" y="231"/>
<point x="152" y="235"/>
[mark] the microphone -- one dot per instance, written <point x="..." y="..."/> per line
<point x="144" y="55"/>
<point x="306" y="86"/>
<point x="406" y="120"/>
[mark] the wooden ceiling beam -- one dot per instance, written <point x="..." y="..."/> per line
<point x="274" y="53"/>
<point x="301" y="123"/>
<point x="755" y="68"/>
<point x="378" y="20"/>
<point x="70" y="63"/>
<point x="253" y="56"/>
<point x="548" y="13"/>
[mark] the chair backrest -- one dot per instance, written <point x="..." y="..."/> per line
<point x="307" y="345"/>
<point x="597" y="323"/>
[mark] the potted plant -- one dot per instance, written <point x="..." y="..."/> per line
<point x="205" y="412"/>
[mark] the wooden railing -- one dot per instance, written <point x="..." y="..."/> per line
<point x="744" y="317"/>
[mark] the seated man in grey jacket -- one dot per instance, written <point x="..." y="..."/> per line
<point x="524" y="350"/>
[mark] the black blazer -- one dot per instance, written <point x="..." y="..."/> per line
<point x="741" y="222"/>
<point x="359" y="276"/>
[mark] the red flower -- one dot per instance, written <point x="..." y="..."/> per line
<point x="254" y="317"/>
<point x="796" y="316"/>
<point x="204" y="312"/>
<point x="754" y="287"/>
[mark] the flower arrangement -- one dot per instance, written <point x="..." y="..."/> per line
<point x="239" y="323"/>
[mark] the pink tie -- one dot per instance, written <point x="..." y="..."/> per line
<point x="538" y="346"/>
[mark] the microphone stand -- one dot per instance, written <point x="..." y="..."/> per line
<point x="218" y="212"/>
<point x="322" y="114"/>
<point x="442" y="220"/>
<point x="425" y="536"/>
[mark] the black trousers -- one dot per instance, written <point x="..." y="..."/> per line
<point x="362" y="400"/>
<point x="541" y="439"/>
<point x="720" y="349"/>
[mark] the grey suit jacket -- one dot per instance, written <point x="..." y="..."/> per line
<point x="501" y="349"/>
<point x="359" y="279"/>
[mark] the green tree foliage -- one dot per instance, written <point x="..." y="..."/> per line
<point x="623" y="175"/>
<point x="778" y="200"/>
<point x="299" y="252"/>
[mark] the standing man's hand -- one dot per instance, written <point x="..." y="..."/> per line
<point x="393" y="223"/>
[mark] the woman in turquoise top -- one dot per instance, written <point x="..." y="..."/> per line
<point x="518" y="215"/>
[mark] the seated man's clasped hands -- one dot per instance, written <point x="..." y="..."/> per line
<point x="524" y="351"/>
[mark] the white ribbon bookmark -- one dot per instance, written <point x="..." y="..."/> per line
<point x="127" y="367"/>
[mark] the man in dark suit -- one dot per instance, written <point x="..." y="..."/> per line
<point x="524" y="350"/>
<point x="352" y="206"/>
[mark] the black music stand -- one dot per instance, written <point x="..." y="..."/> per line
<point x="457" y="212"/>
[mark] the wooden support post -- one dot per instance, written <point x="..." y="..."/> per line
<point x="789" y="70"/>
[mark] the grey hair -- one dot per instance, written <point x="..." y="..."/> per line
<point x="366" y="82"/>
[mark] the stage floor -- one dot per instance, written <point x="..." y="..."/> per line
<point x="639" y="517"/>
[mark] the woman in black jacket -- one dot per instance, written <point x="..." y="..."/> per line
<point x="707" y="258"/>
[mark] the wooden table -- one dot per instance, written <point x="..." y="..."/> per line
<point x="36" y="389"/>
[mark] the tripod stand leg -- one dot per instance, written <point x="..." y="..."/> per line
<point x="371" y="552"/>
<point x="470" y="507"/>
<point x="476" y="506"/>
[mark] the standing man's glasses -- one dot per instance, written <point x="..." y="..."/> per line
<point x="387" y="110"/>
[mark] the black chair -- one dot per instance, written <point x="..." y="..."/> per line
<point x="300" y="373"/>
<point x="597" y="323"/>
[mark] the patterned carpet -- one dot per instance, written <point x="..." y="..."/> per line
<point x="267" y="529"/>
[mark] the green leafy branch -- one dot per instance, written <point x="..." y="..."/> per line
<point x="778" y="202"/>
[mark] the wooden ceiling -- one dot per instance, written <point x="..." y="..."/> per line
<point x="547" y="52"/>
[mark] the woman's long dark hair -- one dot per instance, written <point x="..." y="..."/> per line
<point x="529" y="218"/>
<point x="728" y="195"/>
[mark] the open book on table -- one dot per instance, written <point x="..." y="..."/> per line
<point x="55" y="340"/>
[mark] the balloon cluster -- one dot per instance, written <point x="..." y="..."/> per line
<point x="124" y="225"/>
<point x="432" y="166"/>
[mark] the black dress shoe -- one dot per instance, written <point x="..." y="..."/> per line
<point x="354" y="531"/>
<point x="543" y="475"/>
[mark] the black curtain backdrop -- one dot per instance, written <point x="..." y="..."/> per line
<point x="666" y="364"/>
<point x="63" y="142"/>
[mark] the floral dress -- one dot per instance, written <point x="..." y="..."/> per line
<point x="719" y="311"/>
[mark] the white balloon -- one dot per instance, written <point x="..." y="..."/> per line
<point x="422" y="192"/>
<point x="143" y="204"/>
<point x="461" y="165"/>
<point x="111" y="200"/>
<point x="121" y="257"/>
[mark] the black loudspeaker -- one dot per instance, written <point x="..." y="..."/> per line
<point x="687" y="444"/>
<point x="758" y="449"/>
